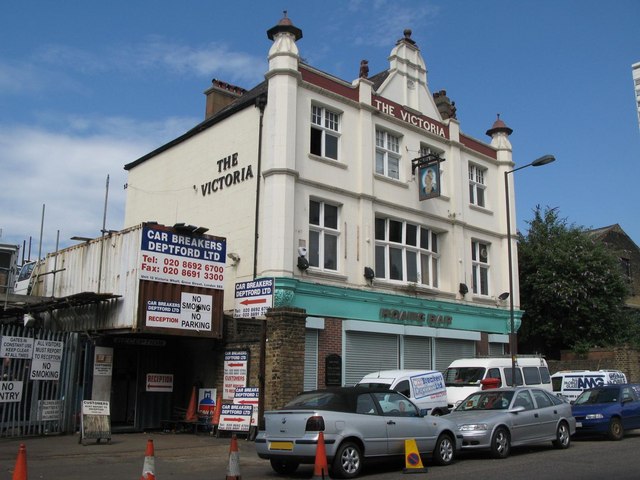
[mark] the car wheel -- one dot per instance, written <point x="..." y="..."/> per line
<point x="348" y="461"/>
<point x="616" y="432"/>
<point x="563" y="436"/>
<point x="436" y="413"/>
<point x="444" y="452"/>
<point x="500" y="443"/>
<point x="283" y="467"/>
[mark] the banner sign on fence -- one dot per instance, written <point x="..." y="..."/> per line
<point x="10" y="392"/>
<point x="49" y="409"/>
<point x="47" y="357"/>
<point x="16" y="347"/>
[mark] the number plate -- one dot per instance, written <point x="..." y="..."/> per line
<point x="281" y="446"/>
<point x="578" y="424"/>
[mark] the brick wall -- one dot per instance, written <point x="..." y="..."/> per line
<point x="329" y="342"/>
<point x="625" y="359"/>
<point x="284" y="362"/>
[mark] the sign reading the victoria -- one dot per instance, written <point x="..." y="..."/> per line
<point x="171" y="257"/>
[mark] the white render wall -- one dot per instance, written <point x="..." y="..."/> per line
<point x="162" y="188"/>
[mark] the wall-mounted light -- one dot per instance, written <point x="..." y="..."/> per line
<point x="235" y="258"/>
<point x="29" y="320"/>
<point x="463" y="289"/>
<point x="303" y="263"/>
<point x="503" y="296"/>
<point x="369" y="274"/>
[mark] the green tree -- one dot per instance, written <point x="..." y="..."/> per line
<point x="571" y="288"/>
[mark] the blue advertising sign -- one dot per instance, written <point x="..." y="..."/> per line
<point x="171" y="257"/>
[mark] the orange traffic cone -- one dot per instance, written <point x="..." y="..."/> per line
<point x="320" y="470"/>
<point x="233" y="470"/>
<point x="149" y="467"/>
<point x="215" y="418"/>
<point x="20" y="471"/>
<point x="192" y="410"/>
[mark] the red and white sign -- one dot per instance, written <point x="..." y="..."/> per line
<point x="248" y="396"/>
<point x="235" y="372"/>
<point x="235" y="417"/>
<point x="254" y="298"/>
<point x="159" y="382"/>
<point x="192" y="313"/>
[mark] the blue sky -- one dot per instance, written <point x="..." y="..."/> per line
<point x="87" y="87"/>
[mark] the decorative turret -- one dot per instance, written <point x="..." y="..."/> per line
<point x="284" y="52"/>
<point x="499" y="134"/>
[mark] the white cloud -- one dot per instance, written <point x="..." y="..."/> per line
<point x="67" y="172"/>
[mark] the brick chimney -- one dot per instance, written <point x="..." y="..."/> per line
<point x="219" y="95"/>
<point x="446" y="107"/>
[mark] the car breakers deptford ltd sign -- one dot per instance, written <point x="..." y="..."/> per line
<point x="171" y="257"/>
<point x="253" y="298"/>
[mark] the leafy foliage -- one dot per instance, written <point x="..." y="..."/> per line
<point x="571" y="288"/>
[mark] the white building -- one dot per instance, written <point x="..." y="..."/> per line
<point x="307" y="164"/>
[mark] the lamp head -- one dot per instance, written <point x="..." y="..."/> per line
<point x="544" y="160"/>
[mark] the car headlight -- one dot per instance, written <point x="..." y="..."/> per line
<point x="594" y="416"/>
<point x="471" y="427"/>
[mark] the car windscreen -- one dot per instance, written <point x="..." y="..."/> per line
<point x="321" y="401"/>
<point x="379" y="384"/>
<point x="598" y="395"/>
<point x="461" y="376"/>
<point x="486" y="400"/>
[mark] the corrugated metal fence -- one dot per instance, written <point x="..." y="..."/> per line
<point x="45" y="406"/>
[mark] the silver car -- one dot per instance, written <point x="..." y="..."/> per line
<point x="357" y="424"/>
<point x="500" y="418"/>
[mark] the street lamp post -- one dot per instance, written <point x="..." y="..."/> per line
<point x="512" y="334"/>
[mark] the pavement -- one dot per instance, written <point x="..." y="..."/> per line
<point x="177" y="455"/>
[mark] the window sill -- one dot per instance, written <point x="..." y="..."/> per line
<point x="317" y="272"/>
<point x="328" y="161"/>
<point x="390" y="180"/>
<point x="480" y="209"/>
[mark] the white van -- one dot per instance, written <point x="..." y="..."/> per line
<point x="425" y="388"/>
<point x="570" y="383"/>
<point x="467" y="375"/>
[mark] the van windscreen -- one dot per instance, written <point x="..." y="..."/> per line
<point x="461" y="376"/>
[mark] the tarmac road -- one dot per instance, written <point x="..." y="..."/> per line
<point x="178" y="456"/>
<point x="186" y="456"/>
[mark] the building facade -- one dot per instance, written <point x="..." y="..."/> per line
<point x="379" y="224"/>
<point x="320" y="184"/>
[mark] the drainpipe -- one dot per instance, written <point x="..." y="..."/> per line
<point x="261" y="103"/>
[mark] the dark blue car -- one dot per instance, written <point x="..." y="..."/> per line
<point x="608" y="410"/>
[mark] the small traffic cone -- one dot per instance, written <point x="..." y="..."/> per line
<point x="149" y="467"/>
<point x="192" y="410"/>
<point x="215" y="418"/>
<point x="20" y="471"/>
<point x="233" y="470"/>
<point x="413" y="462"/>
<point x="320" y="469"/>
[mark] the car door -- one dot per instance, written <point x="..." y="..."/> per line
<point x="630" y="411"/>
<point x="524" y="424"/>
<point x="403" y="422"/>
<point x="547" y="414"/>
<point x="370" y="425"/>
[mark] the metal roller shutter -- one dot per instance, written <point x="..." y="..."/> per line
<point x="310" y="359"/>
<point x="496" y="349"/>
<point x="450" y="349"/>
<point x="367" y="352"/>
<point x="416" y="353"/>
